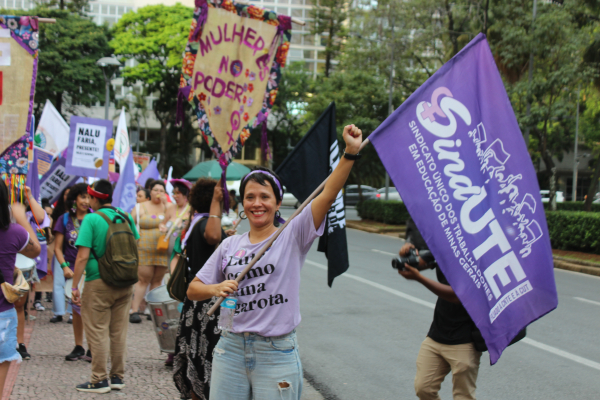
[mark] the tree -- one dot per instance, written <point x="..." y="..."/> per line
<point x="329" y="17"/>
<point x="155" y="37"/>
<point x="557" y="42"/>
<point x="361" y="98"/>
<point x="288" y="115"/>
<point x="67" y="72"/>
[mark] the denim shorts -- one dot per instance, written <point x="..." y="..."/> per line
<point x="8" y="336"/>
<point x="249" y="366"/>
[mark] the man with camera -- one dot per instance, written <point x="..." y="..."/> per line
<point x="449" y="343"/>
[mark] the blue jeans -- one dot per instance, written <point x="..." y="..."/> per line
<point x="8" y="336"/>
<point x="249" y="366"/>
<point x="58" y="293"/>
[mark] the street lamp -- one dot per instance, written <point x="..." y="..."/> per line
<point x="109" y="66"/>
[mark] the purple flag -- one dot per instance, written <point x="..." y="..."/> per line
<point x="456" y="155"/>
<point x="124" y="195"/>
<point x="33" y="179"/>
<point x="151" y="172"/>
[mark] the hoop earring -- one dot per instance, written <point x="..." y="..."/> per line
<point x="240" y="215"/>
<point x="277" y="215"/>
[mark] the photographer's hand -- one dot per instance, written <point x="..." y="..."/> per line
<point x="410" y="273"/>
<point x="405" y="249"/>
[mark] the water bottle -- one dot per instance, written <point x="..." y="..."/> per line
<point x="227" y="312"/>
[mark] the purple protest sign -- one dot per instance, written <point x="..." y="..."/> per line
<point x="56" y="180"/>
<point x="456" y="155"/>
<point x="87" y="154"/>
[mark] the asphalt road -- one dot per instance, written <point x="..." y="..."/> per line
<point x="360" y="339"/>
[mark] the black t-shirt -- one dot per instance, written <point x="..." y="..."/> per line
<point x="451" y="322"/>
<point x="197" y="249"/>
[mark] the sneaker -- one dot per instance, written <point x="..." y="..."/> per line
<point x="48" y="297"/>
<point x="100" y="387"/>
<point x="116" y="383"/>
<point x="23" y="352"/>
<point x="148" y="317"/>
<point x="134" y="318"/>
<point x="87" y="357"/>
<point x="39" y="307"/>
<point x="70" y="321"/>
<point x="56" y="318"/>
<point x="76" y="354"/>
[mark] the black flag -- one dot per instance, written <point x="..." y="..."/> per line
<point x="304" y="169"/>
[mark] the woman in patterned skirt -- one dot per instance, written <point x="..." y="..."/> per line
<point x="153" y="263"/>
<point x="198" y="333"/>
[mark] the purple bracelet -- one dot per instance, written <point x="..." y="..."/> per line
<point x="74" y="289"/>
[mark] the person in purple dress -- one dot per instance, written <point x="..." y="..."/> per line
<point x="66" y="231"/>
<point x="17" y="237"/>
<point x="258" y="357"/>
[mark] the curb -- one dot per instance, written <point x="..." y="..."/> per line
<point x="568" y="264"/>
<point x="359" y="226"/>
<point x="576" y="267"/>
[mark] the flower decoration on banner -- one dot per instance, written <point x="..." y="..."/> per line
<point x="18" y="72"/>
<point x="231" y="73"/>
<point x="13" y="168"/>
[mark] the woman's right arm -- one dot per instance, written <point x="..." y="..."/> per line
<point x="199" y="291"/>
<point x="32" y="248"/>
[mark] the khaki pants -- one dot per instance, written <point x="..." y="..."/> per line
<point x="105" y="312"/>
<point x="436" y="360"/>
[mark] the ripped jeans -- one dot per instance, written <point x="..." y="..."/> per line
<point x="249" y="366"/>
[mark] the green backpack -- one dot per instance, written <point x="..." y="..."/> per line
<point x="118" y="266"/>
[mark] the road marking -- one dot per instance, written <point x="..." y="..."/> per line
<point x="587" y="301"/>
<point x="562" y="353"/>
<point x="531" y="342"/>
<point x="378" y="286"/>
<point x="384" y="252"/>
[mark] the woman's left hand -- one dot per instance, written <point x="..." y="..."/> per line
<point x="218" y="192"/>
<point x="162" y="228"/>
<point x="353" y="138"/>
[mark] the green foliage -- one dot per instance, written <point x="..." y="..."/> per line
<point x="572" y="206"/>
<point x="67" y="72"/>
<point x="574" y="230"/>
<point x="391" y="212"/>
<point x="361" y="99"/>
<point x="156" y="36"/>
<point x="288" y="112"/>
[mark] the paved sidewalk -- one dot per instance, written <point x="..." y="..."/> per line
<point x="49" y="376"/>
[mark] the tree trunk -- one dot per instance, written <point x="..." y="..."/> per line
<point x="485" y="17"/>
<point x="553" y="189"/>
<point x="58" y="103"/>
<point x="587" y="206"/>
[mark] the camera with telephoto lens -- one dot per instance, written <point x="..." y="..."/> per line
<point x="412" y="259"/>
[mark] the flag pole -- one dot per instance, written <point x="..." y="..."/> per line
<point x="276" y="235"/>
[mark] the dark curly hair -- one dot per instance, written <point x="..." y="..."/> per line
<point x="262" y="179"/>
<point x="76" y="190"/>
<point x="201" y="195"/>
<point x="183" y="189"/>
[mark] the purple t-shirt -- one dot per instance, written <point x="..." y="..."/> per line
<point x="71" y="234"/>
<point x="12" y="240"/>
<point x="269" y="295"/>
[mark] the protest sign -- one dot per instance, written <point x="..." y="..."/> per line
<point x="141" y="160"/>
<point x="18" y="71"/>
<point x="456" y="155"/>
<point x="56" y="180"/>
<point x="51" y="137"/>
<point x="88" y="155"/>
